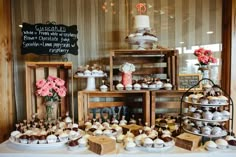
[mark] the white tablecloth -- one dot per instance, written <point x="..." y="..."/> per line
<point x="8" y="149"/>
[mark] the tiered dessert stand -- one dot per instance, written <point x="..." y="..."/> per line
<point x="206" y="122"/>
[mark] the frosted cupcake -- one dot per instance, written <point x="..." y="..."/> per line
<point x="103" y="88"/>
<point x="158" y="143"/>
<point x="128" y="87"/>
<point x="147" y="142"/>
<point x="167" y="86"/>
<point x="130" y="146"/>
<point x="137" y="86"/>
<point x="119" y="86"/>
<point x="221" y="143"/>
<point x="210" y="145"/>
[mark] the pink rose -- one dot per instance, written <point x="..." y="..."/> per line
<point x="40" y="83"/>
<point x="44" y="91"/>
<point x="212" y="59"/>
<point x="59" y="82"/>
<point x="203" y="59"/>
<point x="50" y="84"/>
<point x="208" y="52"/>
<point x="51" y="78"/>
<point x="61" y="92"/>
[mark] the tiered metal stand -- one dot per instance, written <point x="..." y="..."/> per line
<point x="230" y="104"/>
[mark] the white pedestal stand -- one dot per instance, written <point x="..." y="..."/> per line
<point x="91" y="85"/>
<point x="143" y="42"/>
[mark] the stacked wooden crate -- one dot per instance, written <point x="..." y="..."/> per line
<point x="161" y="64"/>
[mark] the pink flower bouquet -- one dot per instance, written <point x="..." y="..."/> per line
<point x="52" y="88"/>
<point x="204" y="56"/>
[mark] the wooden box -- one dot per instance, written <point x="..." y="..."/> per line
<point x="41" y="70"/>
<point x="165" y="102"/>
<point x="96" y="100"/>
<point x="161" y="64"/>
<point x="188" y="141"/>
<point x="101" y="144"/>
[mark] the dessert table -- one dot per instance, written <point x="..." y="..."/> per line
<point x="8" y="149"/>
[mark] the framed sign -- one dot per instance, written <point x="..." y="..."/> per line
<point x="49" y="39"/>
<point x="187" y="81"/>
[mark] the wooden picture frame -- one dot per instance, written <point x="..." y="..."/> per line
<point x="186" y="81"/>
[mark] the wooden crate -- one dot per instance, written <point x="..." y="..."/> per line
<point x="39" y="70"/>
<point x="111" y="99"/>
<point x="165" y="102"/>
<point x="158" y="63"/>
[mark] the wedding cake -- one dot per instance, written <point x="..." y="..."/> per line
<point x="141" y="22"/>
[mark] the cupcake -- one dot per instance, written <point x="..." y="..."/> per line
<point x="232" y="144"/>
<point x="107" y="132"/>
<point x="168" y="141"/>
<point x="73" y="145"/>
<point x="195" y="131"/>
<point x="167" y="86"/>
<point x="196" y="115"/>
<point x="221" y="143"/>
<point x="147" y="142"/>
<point x="51" y="139"/>
<point x="152" y="86"/>
<point x="128" y="87"/>
<point x="207" y="115"/>
<point x="158" y="143"/>
<point x="194" y="98"/>
<point x="63" y="137"/>
<point x="23" y="139"/>
<point x="83" y="142"/>
<point x="229" y="137"/>
<point x="217" y="115"/>
<point x="222" y="100"/>
<point x="137" y="86"/>
<point x="203" y="100"/>
<point x="213" y="100"/>
<point x="87" y="73"/>
<point x="130" y="146"/>
<point x="14" y="134"/>
<point x="206" y="130"/>
<point x="119" y="86"/>
<point x="210" y="145"/>
<point x="225" y="114"/>
<point x="33" y="139"/>
<point x="103" y="88"/>
<point x="42" y="139"/>
<point x="216" y="130"/>
<point x="98" y="132"/>
<point x="159" y="84"/>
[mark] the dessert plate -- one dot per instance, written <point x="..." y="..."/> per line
<point x="38" y="146"/>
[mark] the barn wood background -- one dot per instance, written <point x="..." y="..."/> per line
<point x="101" y="30"/>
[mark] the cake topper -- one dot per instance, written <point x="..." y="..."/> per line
<point x="141" y="8"/>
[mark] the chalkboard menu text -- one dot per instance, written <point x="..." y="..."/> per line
<point x="50" y="39"/>
<point x="189" y="80"/>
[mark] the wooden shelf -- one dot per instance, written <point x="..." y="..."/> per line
<point x="85" y="103"/>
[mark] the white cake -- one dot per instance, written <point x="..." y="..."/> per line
<point x="141" y="21"/>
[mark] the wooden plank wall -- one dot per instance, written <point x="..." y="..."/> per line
<point x="7" y="110"/>
<point x="103" y="26"/>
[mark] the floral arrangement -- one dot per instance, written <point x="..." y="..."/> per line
<point x="52" y="88"/>
<point x="204" y="56"/>
<point x="127" y="67"/>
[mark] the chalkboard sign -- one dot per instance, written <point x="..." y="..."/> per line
<point x="50" y="39"/>
<point x="188" y="80"/>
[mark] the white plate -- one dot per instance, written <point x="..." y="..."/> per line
<point x="211" y="105"/>
<point x="205" y="120"/>
<point x="39" y="146"/>
<point x="156" y="150"/>
<point x="224" y="133"/>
